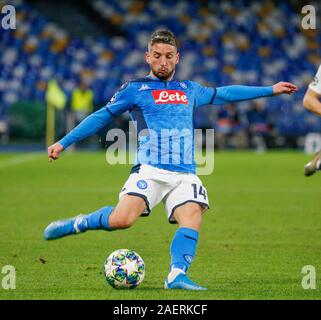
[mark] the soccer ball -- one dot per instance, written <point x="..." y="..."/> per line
<point x="124" y="268"/>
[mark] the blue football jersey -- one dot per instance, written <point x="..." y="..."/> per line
<point x="162" y="112"/>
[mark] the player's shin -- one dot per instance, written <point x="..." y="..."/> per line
<point x="183" y="248"/>
<point x="99" y="220"/>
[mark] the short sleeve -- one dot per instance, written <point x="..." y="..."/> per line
<point x="315" y="85"/>
<point x="121" y="101"/>
<point x="203" y="95"/>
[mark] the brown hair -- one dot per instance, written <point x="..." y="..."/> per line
<point x="163" y="36"/>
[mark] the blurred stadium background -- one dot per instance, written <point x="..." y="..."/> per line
<point x="100" y="44"/>
<point x="264" y="222"/>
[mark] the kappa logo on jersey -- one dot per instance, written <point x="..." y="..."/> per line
<point x="144" y="87"/>
<point x="169" y="97"/>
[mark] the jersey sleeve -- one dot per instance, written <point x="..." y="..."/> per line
<point x="118" y="104"/>
<point x="121" y="101"/>
<point x="228" y="94"/>
<point x="315" y="85"/>
<point x="87" y="127"/>
<point x="203" y="95"/>
<point x="237" y="93"/>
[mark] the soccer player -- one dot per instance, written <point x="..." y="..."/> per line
<point x="311" y="102"/>
<point x="160" y="106"/>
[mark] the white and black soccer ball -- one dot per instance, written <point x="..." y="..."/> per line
<point x="124" y="268"/>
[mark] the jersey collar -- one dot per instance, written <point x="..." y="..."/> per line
<point x="157" y="79"/>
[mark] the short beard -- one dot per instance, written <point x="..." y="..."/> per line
<point x="162" y="76"/>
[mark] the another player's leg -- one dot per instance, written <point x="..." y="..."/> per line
<point x="315" y="164"/>
<point x="107" y="218"/>
<point x="183" y="246"/>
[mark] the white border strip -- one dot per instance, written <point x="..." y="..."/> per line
<point x="16" y="160"/>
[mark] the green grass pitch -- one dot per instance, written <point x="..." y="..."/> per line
<point x="264" y="225"/>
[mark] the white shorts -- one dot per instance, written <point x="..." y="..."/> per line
<point x="174" y="189"/>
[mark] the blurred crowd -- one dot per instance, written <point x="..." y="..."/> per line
<point x="221" y="43"/>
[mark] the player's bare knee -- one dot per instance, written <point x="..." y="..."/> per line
<point x="124" y="219"/>
<point x="126" y="222"/>
<point x="189" y="215"/>
<point x="196" y="214"/>
<point x="194" y="210"/>
<point x="121" y="223"/>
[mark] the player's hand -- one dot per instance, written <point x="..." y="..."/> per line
<point x="284" y="87"/>
<point x="54" y="151"/>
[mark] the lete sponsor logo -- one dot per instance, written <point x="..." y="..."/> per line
<point x="170" y="97"/>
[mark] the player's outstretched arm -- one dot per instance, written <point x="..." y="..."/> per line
<point x="86" y="128"/>
<point x="311" y="102"/>
<point x="121" y="102"/>
<point x="237" y="93"/>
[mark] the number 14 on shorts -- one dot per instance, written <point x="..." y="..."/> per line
<point x="199" y="191"/>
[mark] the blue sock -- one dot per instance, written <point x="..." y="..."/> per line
<point x="183" y="248"/>
<point x="98" y="219"/>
